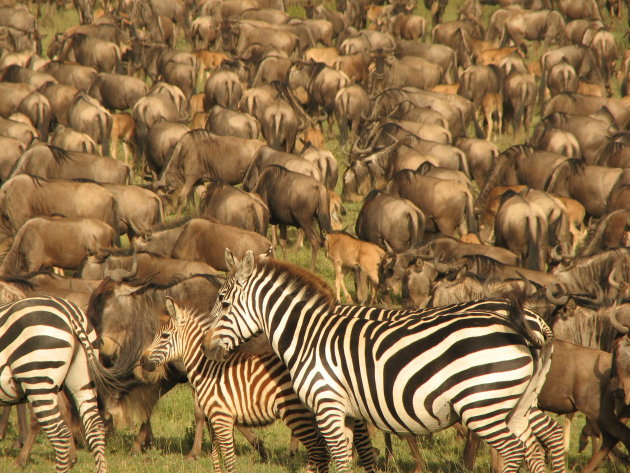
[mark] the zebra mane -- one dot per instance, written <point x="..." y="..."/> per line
<point x="316" y="285"/>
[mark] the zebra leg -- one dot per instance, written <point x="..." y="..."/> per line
<point x="303" y="428"/>
<point x="534" y="457"/>
<point x="331" y="425"/>
<point x="223" y="430"/>
<point x="551" y="435"/>
<point x="500" y="437"/>
<point x="86" y="400"/>
<point x="47" y="413"/>
<point x="363" y="444"/>
<point x="215" y="451"/>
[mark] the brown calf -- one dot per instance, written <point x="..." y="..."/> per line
<point x="208" y="61"/>
<point x="123" y="129"/>
<point x="348" y="252"/>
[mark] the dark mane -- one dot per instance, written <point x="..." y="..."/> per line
<point x="172" y="224"/>
<point x="316" y="285"/>
<point x="22" y="282"/>
<point x="60" y="155"/>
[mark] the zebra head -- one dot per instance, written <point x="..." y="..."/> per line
<point x="166" y="345"/>
<point x="233" y="312"/>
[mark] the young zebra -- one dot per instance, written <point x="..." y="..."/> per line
<point x="245" y="389"/>
<point x="412" y="375"/>
<point x="47" y="343"/>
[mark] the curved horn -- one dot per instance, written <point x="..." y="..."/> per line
<point x="614" y="320"/>
<point x="556" y="299"/>
<point x="612" y="281"/>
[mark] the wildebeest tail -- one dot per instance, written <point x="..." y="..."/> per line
<point x="105" y="132"/>
<point x="323" y="212"/>
<point x="471" y="220"/>
<point x="416" y="227"/>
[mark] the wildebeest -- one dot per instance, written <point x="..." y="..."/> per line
<point x="390" y="222"/>
<point x="23" y="197"/>
<point x="126" y="317"/>
<point x="296" y="200"/>
<point x="348" y="252"/>
<point x="117" y="91"/>
<point x="226" y="122"/>
<point x="47" y="242"/>
<point x="51" y="162"/>
<point x="203" y="239"/>
<point x="235" y="207"/>
<point x="87" y="115"/>
<point x="71" y="140"/>
<point x="124" y="264"/>
<point x="447" y="203"/>
<point x="199" y="155"/>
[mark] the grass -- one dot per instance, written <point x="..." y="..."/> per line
<point x="172" y="421"/>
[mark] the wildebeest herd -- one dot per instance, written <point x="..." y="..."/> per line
<point x="224" y="110"/>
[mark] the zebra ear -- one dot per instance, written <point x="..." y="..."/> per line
<point x="230" y="260"/>
<point x="171" y="308"/>
<point x="246" y="268"/>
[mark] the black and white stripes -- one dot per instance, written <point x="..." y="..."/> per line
<point x="47" y="343"/>
<point x="245" y="389"/>
<point x="410" y="375"/>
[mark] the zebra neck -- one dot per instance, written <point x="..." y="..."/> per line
<point x="193" y="356"/>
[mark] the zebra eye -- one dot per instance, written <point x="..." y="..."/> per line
<point x="225" y="304"/>
<point x="165" y="335"/>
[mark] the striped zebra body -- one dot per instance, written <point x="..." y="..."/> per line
<point x="546" y="430"/>
<point x="245" y="389"/>
<point x="47" y="343"/>
<point x="411" y="375"/>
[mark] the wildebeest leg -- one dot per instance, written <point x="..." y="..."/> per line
<point x="313" y="239"/>
<point x="470" y="450"/>
<point x="200" y="419"/>
<point x="4" y="421"/>
<point x="144" y="438"/>
<point x="415" y="453"/>
<point x="340" y="283"/>
<point x="389" y="449"/>
<point x="22" y="424"/>
<point x="293" y="445"/>
<point x="607" y="445"/>
<point x="299" y="242"/>
<point x="566" y="426"/>
<point x="283" y="240"/>
<point x="257" y="443"/>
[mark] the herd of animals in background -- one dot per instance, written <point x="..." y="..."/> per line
<point x="418" y="105"/>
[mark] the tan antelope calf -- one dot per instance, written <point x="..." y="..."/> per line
<point x="123" y="129"/>
<point x="348" y="252"/>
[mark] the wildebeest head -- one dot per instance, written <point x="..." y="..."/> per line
<point x="620" y="378"/>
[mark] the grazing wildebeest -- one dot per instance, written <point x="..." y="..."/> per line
<point x="138" y="208"/>
<point x="71" y="140"/>
<point x="199" y="155"/>
<point x="348" y="252"/>
<point x="447" y="203"/>
<point x="44" y="242"/>
<point x="23" y="197"/>
<point x="295" y="199"/>
<point x="118" y="91"/>
<point x="389" y="221"/>
<point x="200" y="239"/>
<point x="119" y="264"/>
<point x="235" y="207"/>
<point x="51" y="162"/>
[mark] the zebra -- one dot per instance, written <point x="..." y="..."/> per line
<point x="410" y="376"/>
<point x="246" y="389"/>
<point x="47" y="343"/>
<point x="546" y="430"/>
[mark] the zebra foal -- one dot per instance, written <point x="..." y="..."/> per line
<point x="411" y="375"/>
<point x="47" y="343"/>
<point x="245" y="389"/>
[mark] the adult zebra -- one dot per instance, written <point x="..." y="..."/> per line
<point x="406" y="376"/>
<point x="246" y="389"/>
<point x="47" y="343"/>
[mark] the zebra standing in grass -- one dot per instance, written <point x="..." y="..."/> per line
<point x="47" y="343"/>
<point x="412" y="375"/>
<point x="245" y="389"/>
